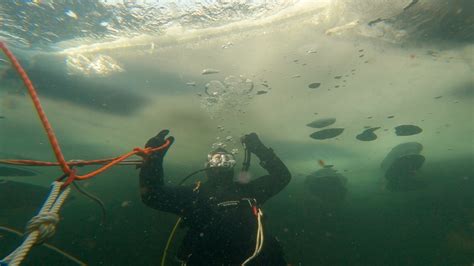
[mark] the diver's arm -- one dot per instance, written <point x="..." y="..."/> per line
<point x="156" y="195"/>
<point x="278" y="176"/>
<point x="153" y="191"/>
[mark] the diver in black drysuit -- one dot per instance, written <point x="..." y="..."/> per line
<point x="221" y="214"/>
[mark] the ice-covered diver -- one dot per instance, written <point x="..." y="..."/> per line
<point x="223" y="216"/>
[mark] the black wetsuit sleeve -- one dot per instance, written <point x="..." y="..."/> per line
<point x="278" y="176"/>
<point x="154" y="193"/>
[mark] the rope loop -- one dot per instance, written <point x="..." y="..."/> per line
<point x="45" y="223"/>
<point x="143" y="152"/>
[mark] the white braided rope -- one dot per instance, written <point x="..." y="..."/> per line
<point x="258" y="240"/>
<point x="41" y="226"/>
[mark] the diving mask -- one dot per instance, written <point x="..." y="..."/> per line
<point x="220" y="159"/>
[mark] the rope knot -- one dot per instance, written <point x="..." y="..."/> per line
<point x="44" y="223"/>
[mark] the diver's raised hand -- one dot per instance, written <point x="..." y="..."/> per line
<point x="157" y="141"/>
<point x="151" y="170"/>
<point x="253" y="143"/>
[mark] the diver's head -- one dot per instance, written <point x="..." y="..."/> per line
<point x="220" y="165"/>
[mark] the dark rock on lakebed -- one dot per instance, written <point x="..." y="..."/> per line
<point x="368" y="134"/>
<point x="407" y="130"/>
<point x="320" y="123"/>
<point x="327" y="133"/>
<point x="314" y="85"/>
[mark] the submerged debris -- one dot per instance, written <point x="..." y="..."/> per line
<point x="320" y="123"/>
<point x="327" y="133"/>
<point x="407" y="130"/>
<point x="314" y="85"/>
<point x="208" y="71"/>
<point x="368" y="134"/>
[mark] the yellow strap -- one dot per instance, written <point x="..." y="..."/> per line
<point x="168" y="243"/>
<point x="170" y="238"/>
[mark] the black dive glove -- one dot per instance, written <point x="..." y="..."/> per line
<point x="254" y="145"/>
<point x="156" y="141"/>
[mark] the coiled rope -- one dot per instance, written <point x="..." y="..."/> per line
<point x="40" y="227"/>
<point x="51" y="247"/>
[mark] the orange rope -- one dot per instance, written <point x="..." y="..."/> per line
<point x="39" y="109"/>
<point x="54" y="142"/>
<point x="70" y="163"/>
<point x="141" y="152"/>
